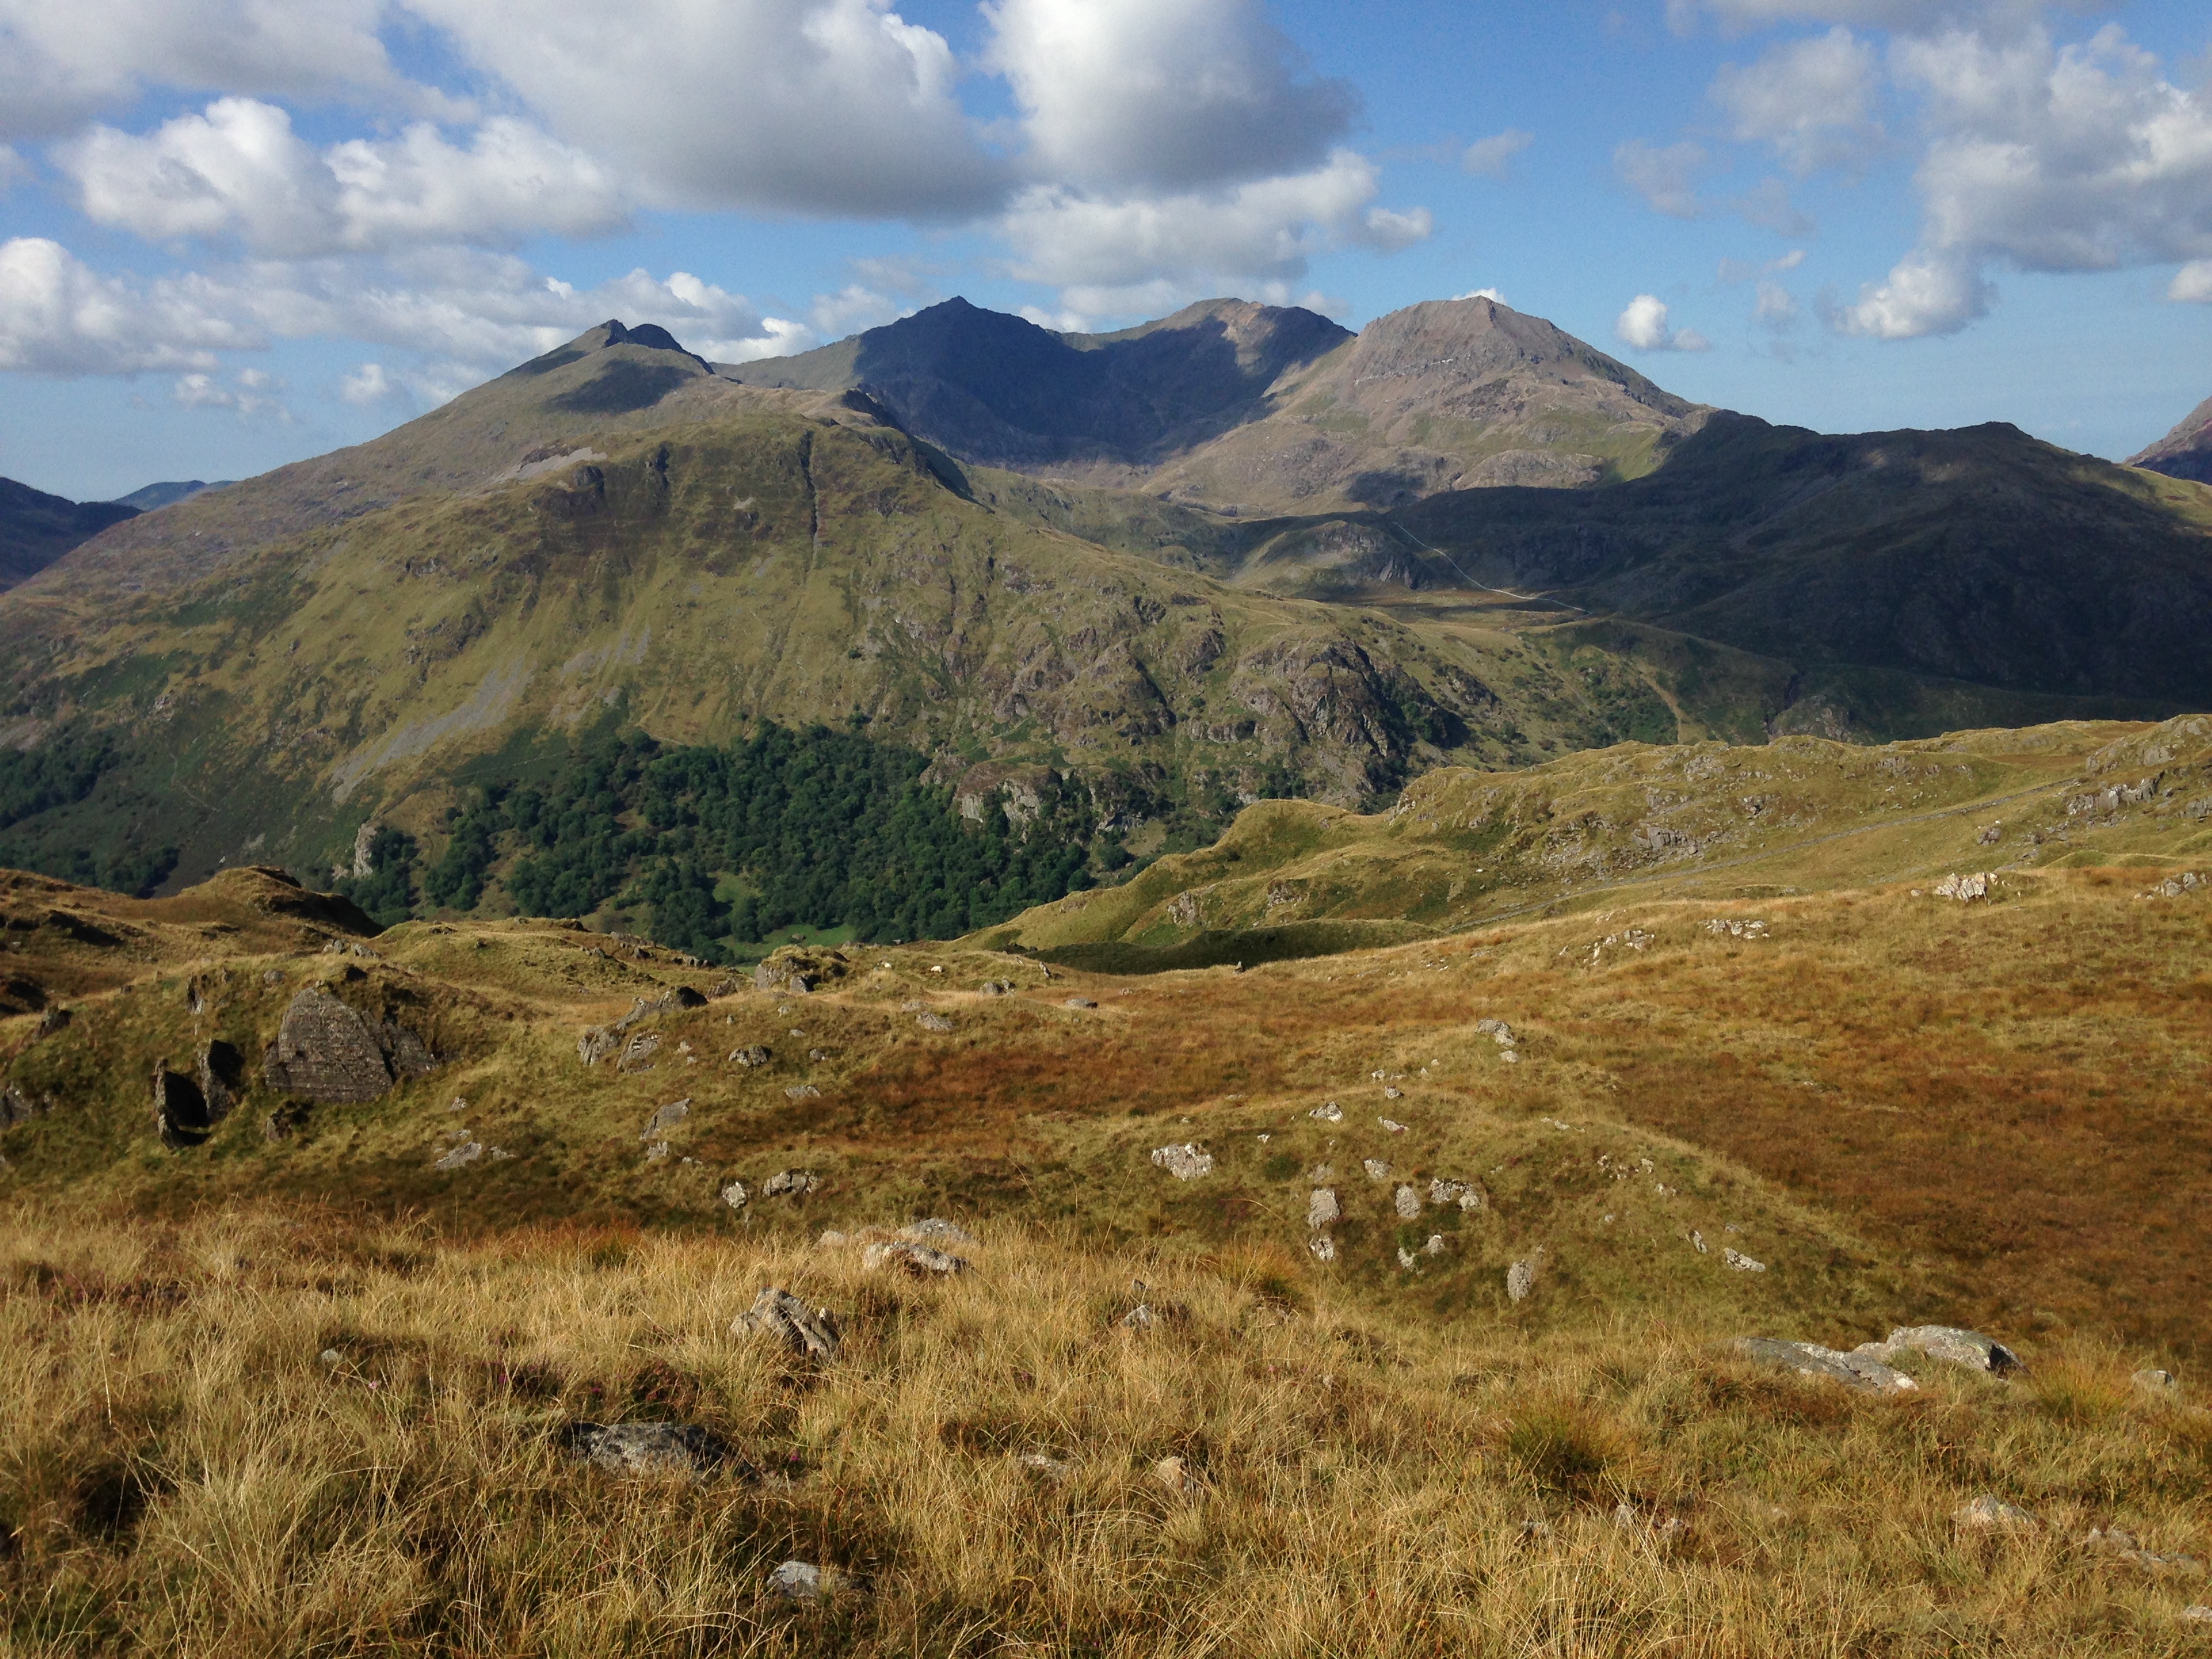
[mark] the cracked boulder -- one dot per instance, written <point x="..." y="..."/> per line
<point x="332" y="1053"/>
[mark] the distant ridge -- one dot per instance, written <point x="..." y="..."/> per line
<point x="2186" y="452"/>
<point x="147" y="498"/>
<point x="36" y="528"/>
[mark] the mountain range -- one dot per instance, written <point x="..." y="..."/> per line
<point x="1239" y="552"/>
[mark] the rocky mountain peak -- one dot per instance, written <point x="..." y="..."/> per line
<point x="2186" y="452"/>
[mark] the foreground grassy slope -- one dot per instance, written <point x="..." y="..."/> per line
<point x="1805" y="814"/>
<point x="266" y="1433"/>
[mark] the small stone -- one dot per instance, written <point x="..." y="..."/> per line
<point x="2157" y="1381"/>
<point x="1140" y="1318"/>
<point x="1858" y="1370"/>
<point x="1394" y="1093"/>
<point x="1328" y="1112"/>
<point x="796" y="1581"/>
<point x="332" y="1357"/>
<point x="1407" y="1201"/>
<point x="467" y="1153"/>
<point x="810" y="1332"/>
<point x="1739" y="1262"/>
<point x="802" y="1092"/>
<point x="1521" y="1279"/>
<point x="1435" y="1246"/>
<point x="1509" y="1057"/>
<point x="1079" y="1002"/>
<point x="1990" y="1513"/>
<point x="666" y="1118"/>
<point x="831" y="1239"/>
<point x="457" y="1104"/>
<point x="1175" y="1475"/>
<point x="1406" y="1259"/>
<point x="1391" y="1125"/>
<point x="920" y="1260"/>
<point x="1185" y="1163"/>
<point x="1698" y="1242"/>
<point x="735" y="1194"/>
<point x="663" y="1448"/>
<point x="1323" y="1248"/>
<point x="751" y="1054"/>
<point x="791" y="1184"/>
<point x="932" y="1021"/>
<point x="1376" y="1168"/>
<point x="1049" y="1468"/>
<point x="657" y="1153"/>
<point x="2197" y="1614"/>
<point x="1322" y="1207"/>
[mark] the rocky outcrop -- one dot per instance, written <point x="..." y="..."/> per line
<point x="181" y="1112"/>
<point x="332" y="1054"/>
<point x="655" y="1449"/>
<point x="810" y="1333"/>
<point x="1857" y="1369"/>
<point x="800" y="971"/>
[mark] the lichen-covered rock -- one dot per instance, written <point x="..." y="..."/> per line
<point x="637" y="1053"/>
<point x="329" y="1053"/>
<point x="1990" y="1513"/>
<point x="1961" y="1347"/>
<point x="1521" y="1279"/>
<point x="1323" y="1248"/>
<point x="1328" y="1112"/>
<point x="1322" y="1207"/>
<point x="596" y="1044"/>
<point x="751" y="1054"/>
<point x="922" y="1260"/>
<point x="666" y="1118"/>
<point x="1742" y="1263"/>
<point x="932" y="1021"/>
<point x="1857" y="1369"/>
<point x="791" y="1184"/>
<point x="1407" y="1202"/>
<point x="661" y="1449"/>
<point x="1465" y="1194"/>
<point x="810" y="1332"/>
<point x="931" y="1230"/>
<point x="800" y="971"/>
<point x="1185" y="1163"/>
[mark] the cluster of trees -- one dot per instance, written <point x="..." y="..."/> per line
<point x="119" y="848"/>
<point x="820" y="827"/>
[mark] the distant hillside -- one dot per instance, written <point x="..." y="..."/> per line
<point x="36" y="528"/>
<point x="2186" y="452"/>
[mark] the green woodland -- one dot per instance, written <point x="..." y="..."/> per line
<point x="824" y="829"/>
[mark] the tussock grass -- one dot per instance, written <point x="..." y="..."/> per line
<point x="181" y="1471"/>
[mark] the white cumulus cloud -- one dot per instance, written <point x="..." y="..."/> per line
<point x="1811" y="99"/>
<point x="1165" y="94"/>
<point x="59" y="316"/>
<point x="238" y="170"/>
<point x="1643" y="326"/>
<point x="1492" y="157"/>
<point x="2193" y="283"/>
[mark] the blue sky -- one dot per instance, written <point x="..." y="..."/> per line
<point x="238" y="232"/>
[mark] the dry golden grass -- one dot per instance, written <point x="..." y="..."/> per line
<point x="181" y="1473"/>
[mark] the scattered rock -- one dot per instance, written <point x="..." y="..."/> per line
<point x="327" y="1053"/>
<point x="802" y="1092"/>
<point x="918" y="1259"/>
<point x="1736" y="929"/>
<point x="670" y="1002"/>
<point x="751" y="1054"/>
<point x="1323" y="1248"/>
<point x="2175" y="886"/>
<point x="1961" y="1347"/>
<point x="2157" y="1381"/>
<point x="1328" y="1112"/>
<point x="791" y="1184"/>
<point x="1742" y="1263"/>
<point x="1079" y="1002"/>
<point x="1857" y="1369"/>
<point x="735" y="1194"/>
<point x="1322" y="1207"/>
<point x="1376" y="1168"/>
<point x="933" y="1022"/>
<point x="810" y="1332"/>
<point x="637" y="1053"/>
<point x="468" y="1151"/>
<point x="1520" y="1277"/>
<point x="1050" y="1469"/>
<point x="1391" y="1126"/>
<point x="1140" y="1318"/>
<point x="1394" y="1093"/>
<point x="53" y="1020"/>
<point x="1435" y="1246"/>
<point x="1185" y="1163"/>
<point x="284" y="1122"/>
<point x="1965" y="889"/>
<point x="1407" y="1202"/>
<point x="595" y="1045"/>
<point x="1406" y="1259"/>
<point x="629" y="1449"/>
<point x="930" y="1229"/>
<point x="1698" y="1242"/>
<point x="2198" y="1614"/>
<point x="221" y="1077"/>
<point x="800" y="971"/>
<point x="796" y="1581"/>
<point x="1497" y="1030"/>
<point x="1987" y="1514"/>
<point x="1465" y="1194"/>
<point x="998" y="987"/>
<point x="16" y="1107"/>
<point x="657" y="1126"/>
<point x="2125" y="1547"/>
<point x="1175" y="1475"/>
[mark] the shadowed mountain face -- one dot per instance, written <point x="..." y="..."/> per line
<point x="36" y="528"/>
<point x="1001" y="390"/>
<point x="2186" y="452"/>
<point x="147" y="498"/>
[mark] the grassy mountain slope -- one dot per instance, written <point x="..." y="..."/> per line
<point x="36" y="528"/>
